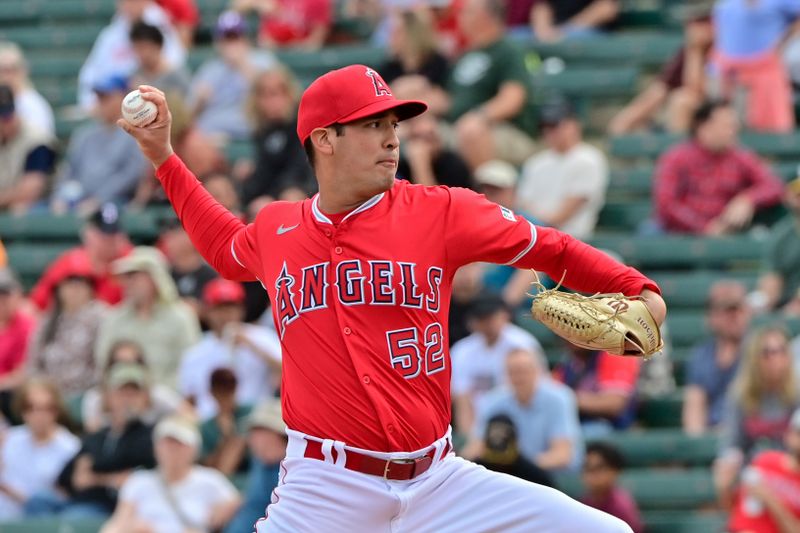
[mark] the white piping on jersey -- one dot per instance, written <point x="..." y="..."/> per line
<point x="320" y="216"/>
<point x="527" y="248"/>
<point x="233" y="253"/>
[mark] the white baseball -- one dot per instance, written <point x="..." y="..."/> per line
<point x="138" y="111"/>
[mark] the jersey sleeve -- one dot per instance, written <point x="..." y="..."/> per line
<point x="210" y="226"/>
<point x="479" y="230"/>
<point x="618" y="374"/>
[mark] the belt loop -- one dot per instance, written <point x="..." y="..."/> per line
<point x="341" y="454"/>
<point x="439" y="446"/>
<point x="327" y="444"/>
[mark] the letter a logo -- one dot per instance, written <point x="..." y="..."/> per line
<point x="380" y="86"/>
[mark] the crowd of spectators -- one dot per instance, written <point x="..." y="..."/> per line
<point x="174" y="373"/>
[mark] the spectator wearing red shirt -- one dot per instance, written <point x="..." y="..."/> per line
<point x="768" y="499"/>
<point x="300" y="23"/>
<point x="16" y="328"/>
<point x="103" y="242"/>
<point x="601" y="470"/>
<point x="604" y="386"/>
<point x="709" y="185"/>
<point x="184" y="17"/>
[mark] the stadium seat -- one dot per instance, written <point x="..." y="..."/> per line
<point x="686" y="327"/>
<point x="62" y="65"/>
<point x="78" y="10"/>
<point x="653" y="488"/>
<point x="587" y="81"/>
<point x="13" y="13"/>
<point x="632" y="48"/>
<point x="30" y="260"/>
<point x="52" y="525"/>
<point x="53" y="36"/>
<point x="651" y="145"/>
<point x="664" y="447"/>
<point x="683" y="522"/>
<point x="236" y="150"/>
<point x="667" y="251"/>
<point x="40" y="227"/>
<point x="662" y="412"/>
<point x="689" y="289"/>
<point x="625" y="215"/>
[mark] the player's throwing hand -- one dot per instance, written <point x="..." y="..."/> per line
<point x="153" y="139"/>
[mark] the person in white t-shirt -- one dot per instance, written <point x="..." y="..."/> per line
<point x="564" y="186"/>
<point x="178" y="496"/>
<point x="31" y="105"/>
<point x="253" y="353"/>
<point x="32" y="455"/>
<point x="479" y="359"/>
<point x="112" y="53"/>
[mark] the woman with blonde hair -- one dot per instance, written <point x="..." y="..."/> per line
<point x="280" y="162"/>
<point x="415" y="58"/>
<point x="760" y="403"/>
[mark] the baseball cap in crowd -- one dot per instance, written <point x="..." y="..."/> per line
<point x="7" y="106"/>
<point x="348" y="94"/>
<point x="555" y="111"/>
<point x="106" y="219"/>
<point x="122" y="374"/>
<point x="179" y="428"/>
<point x="8" y="281"/>
<point x="485" y="305"/>
<point x="222" y="291"/>
<point x="111" y="84"/>
<point x="267" y="416"/>
<point x="230" y="23"/>
<point x="497" y="174"/>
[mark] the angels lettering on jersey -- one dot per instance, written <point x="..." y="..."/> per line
<point x="355" y="282"/>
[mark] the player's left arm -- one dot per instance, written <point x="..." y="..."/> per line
<point x="479" y="230"/>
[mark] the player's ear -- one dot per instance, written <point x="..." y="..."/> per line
<point x="321" y="139"/>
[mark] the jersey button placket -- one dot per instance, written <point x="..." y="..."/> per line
<point x="366" y="379"/>
<point x="347" y="331"/>
<point x="338" y="250"/>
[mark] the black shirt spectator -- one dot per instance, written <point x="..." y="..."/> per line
<point x="110" y="454"/>
<point x="280" y="162"/>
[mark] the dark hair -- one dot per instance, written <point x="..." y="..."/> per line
<point x="223" y="380"/>
<point x="703" y="114"/>
<point x="309" y="147"/>
<point x="608" y="452"/>
<point x="120" y="344"/>
<point x="144" y="32"/>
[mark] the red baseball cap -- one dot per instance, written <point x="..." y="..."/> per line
<point x="222" y="291"/>
<point x="349" y="94"/>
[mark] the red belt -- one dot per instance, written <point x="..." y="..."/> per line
<point x="394" y="469"/>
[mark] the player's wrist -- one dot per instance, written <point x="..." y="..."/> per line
<point x="159" y="160"/>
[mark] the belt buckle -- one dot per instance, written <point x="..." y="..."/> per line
<point x="397" y="461"/>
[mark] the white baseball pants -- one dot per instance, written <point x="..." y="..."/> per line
<point x="454" y="495"/>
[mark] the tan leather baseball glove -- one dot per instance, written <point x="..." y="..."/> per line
<point x="600" y="322"/>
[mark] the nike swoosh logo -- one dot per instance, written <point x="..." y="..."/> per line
<point x="282" y="230"/>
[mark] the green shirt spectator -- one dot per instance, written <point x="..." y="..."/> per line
<point x="478" y="75"/>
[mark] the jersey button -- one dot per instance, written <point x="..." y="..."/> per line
<point x="366" y="380"/>
<point x="347" y="331"/>
<point x="327" y="233"/>
<point x="390" y="428"/>
<point x="338" y="250"/>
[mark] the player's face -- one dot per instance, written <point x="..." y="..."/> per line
<point x="366" y="155"/>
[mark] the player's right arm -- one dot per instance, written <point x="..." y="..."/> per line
<point x="225" y="242"/>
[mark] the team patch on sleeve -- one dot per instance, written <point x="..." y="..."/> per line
<point x="508" y="214"/>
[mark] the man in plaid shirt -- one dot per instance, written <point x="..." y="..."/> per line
<point x="709" y="185"/>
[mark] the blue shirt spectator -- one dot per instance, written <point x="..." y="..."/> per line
<point x="752" y="27"/>
<point x="543" y="411"/>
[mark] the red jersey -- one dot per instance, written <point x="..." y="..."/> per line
<point x="777" y="474"/>
<point x="14" y="339"/>
<point x="293" y="20"/>
<point x="361" y="306"/>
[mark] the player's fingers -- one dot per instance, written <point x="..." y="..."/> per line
<point x="122" y="123"/>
